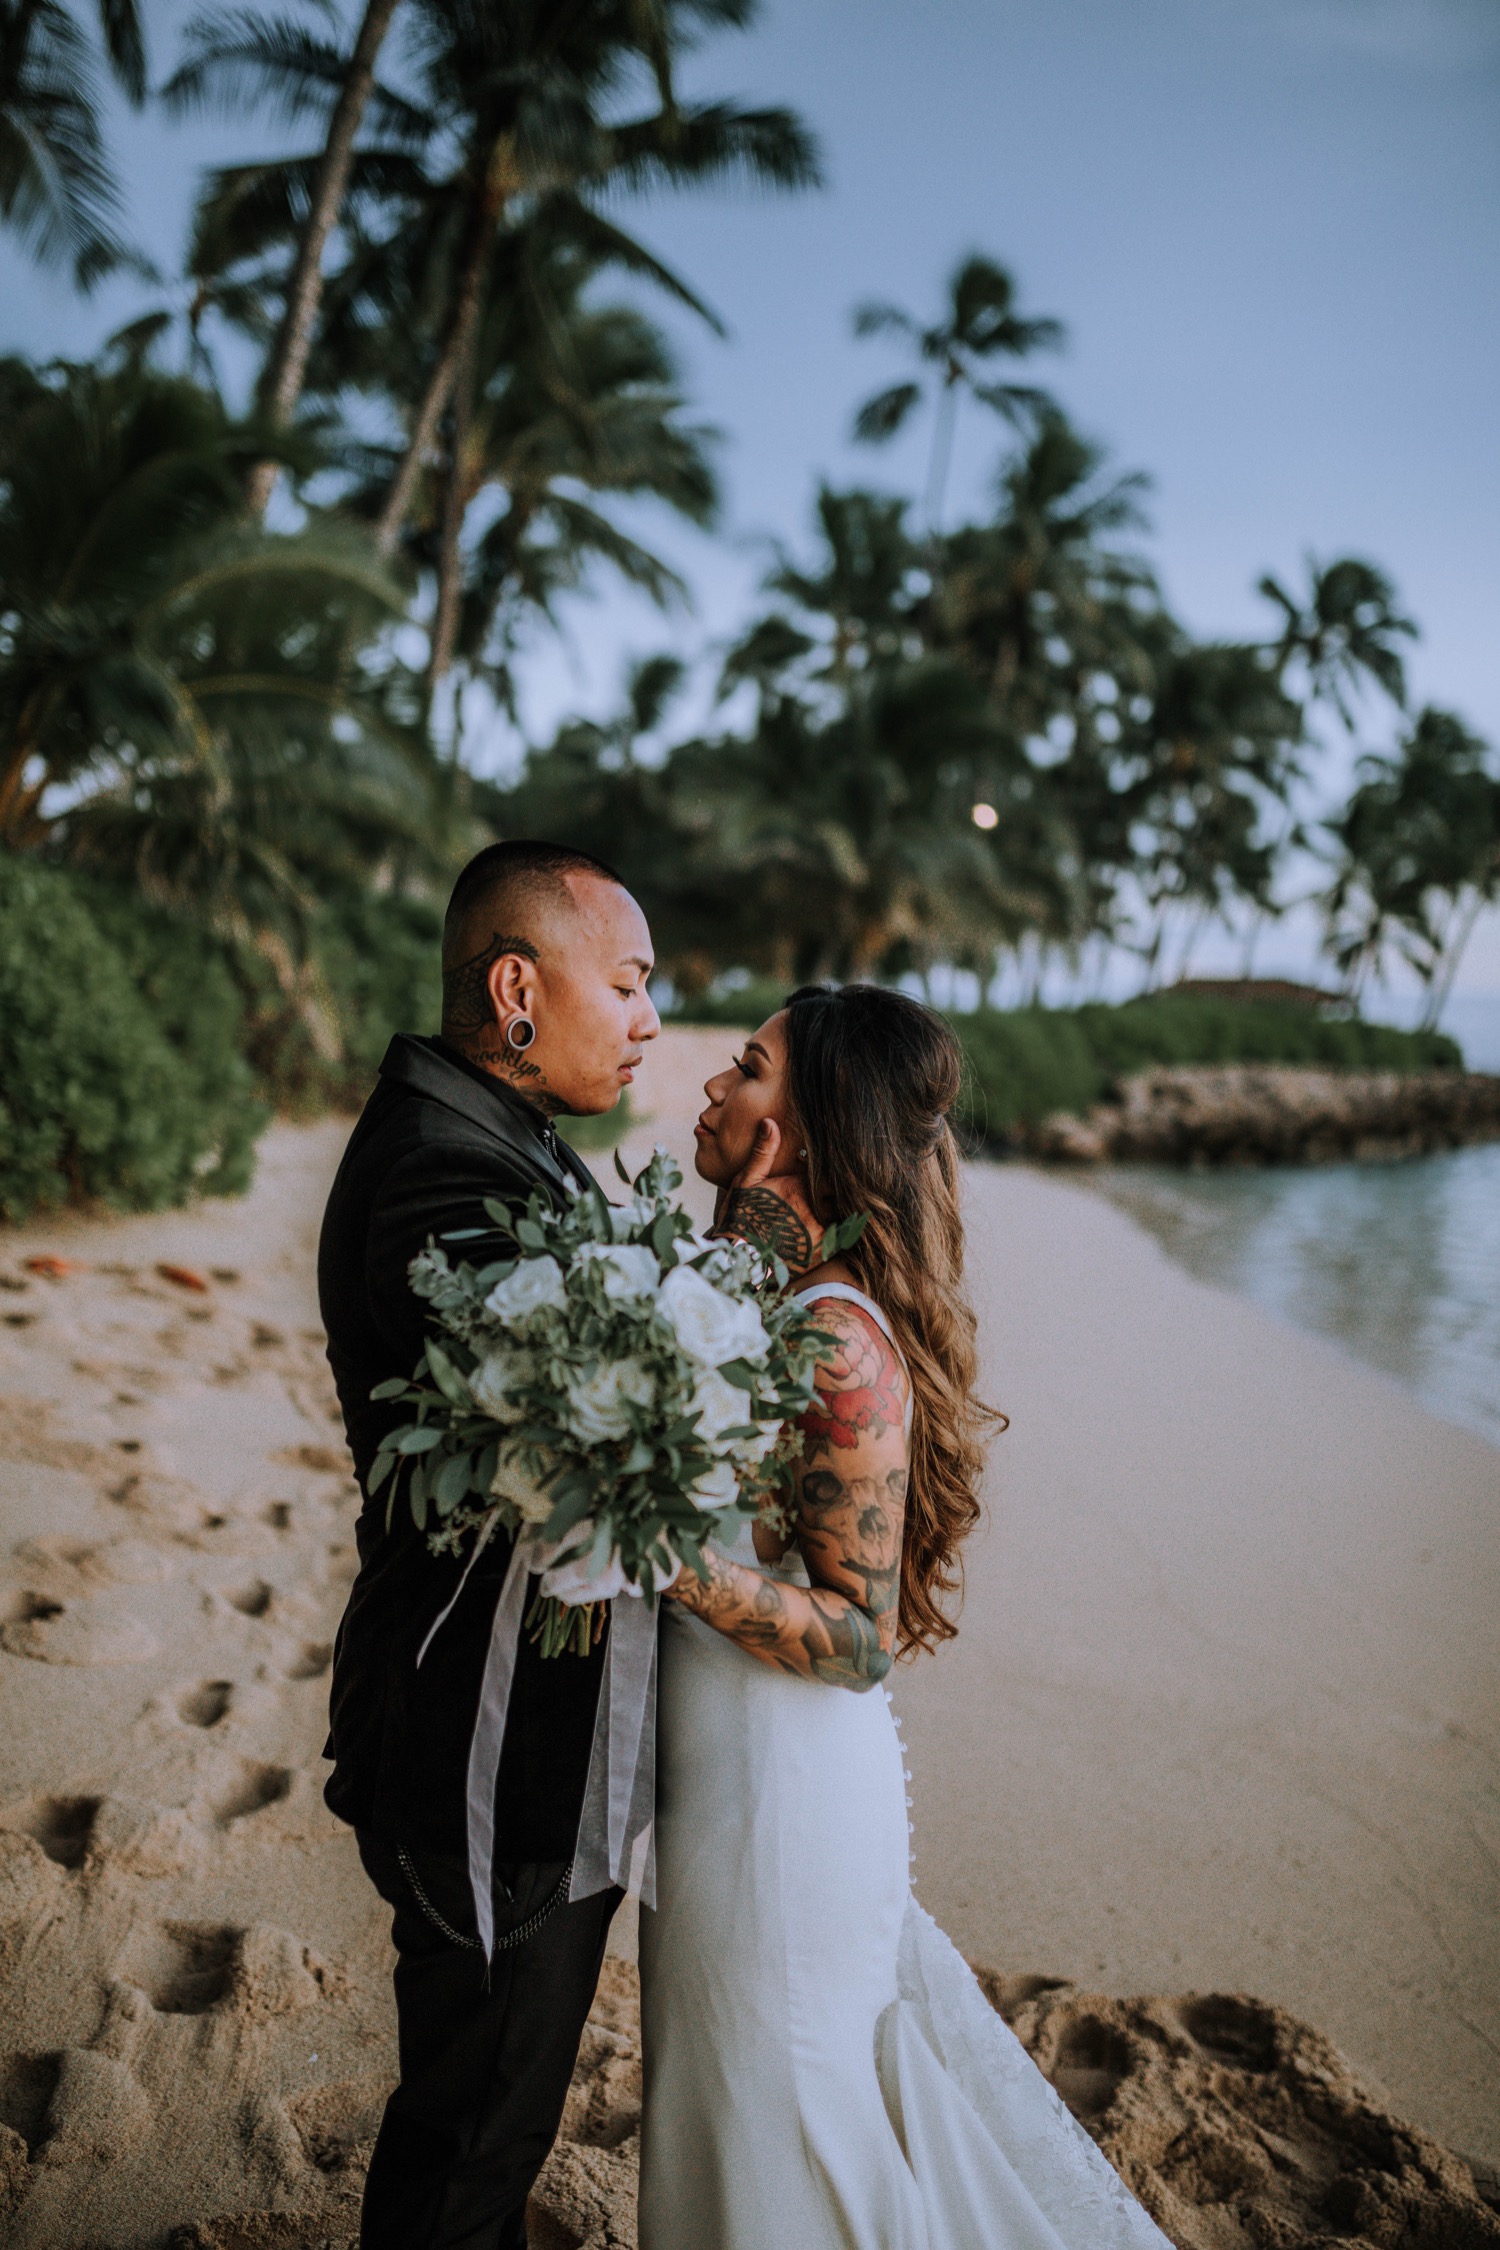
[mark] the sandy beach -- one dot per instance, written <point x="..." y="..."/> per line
<point x="1221" y="1721"/>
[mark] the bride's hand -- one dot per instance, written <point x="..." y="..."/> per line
<point x="771" y="1210"/>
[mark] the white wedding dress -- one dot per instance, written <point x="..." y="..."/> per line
<point x="822" y="2071"/>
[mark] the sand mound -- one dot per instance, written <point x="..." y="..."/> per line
<point x="1238" y="2127"/>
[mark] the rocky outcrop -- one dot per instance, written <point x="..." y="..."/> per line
<point x="1267" y="1113"/>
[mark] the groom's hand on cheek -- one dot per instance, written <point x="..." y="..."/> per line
<point x="766" y="1206"/>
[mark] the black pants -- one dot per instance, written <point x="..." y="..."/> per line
<point x="485" y="2061"/>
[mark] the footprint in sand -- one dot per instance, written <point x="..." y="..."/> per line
<point x="311" y="1661"/>
<point x="254" y="1788"/>
<point x="121" y="1562"/>
<point x="82" y="1633"/>
<point x="185" y="1968"/>
<point x="252" y="1599"/>
<point x="63" y="1826"/>
<point x="188" y="1968"/>
<point x="1091" y="2064"/>
<point x="1238" y="2032"/>
<point x="206" y="1704"/>
<point x="27" y="2084"/>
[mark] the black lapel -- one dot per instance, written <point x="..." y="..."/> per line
<point x="493" y="1108"/>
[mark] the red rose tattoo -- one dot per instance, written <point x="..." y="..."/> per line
<point x="861" y="1385"/>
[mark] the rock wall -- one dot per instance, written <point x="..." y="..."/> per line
<point x="1266" y="1113"/>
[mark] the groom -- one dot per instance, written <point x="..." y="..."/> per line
<point x="545" y="1014"/>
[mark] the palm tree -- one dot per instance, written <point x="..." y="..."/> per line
<point x="525" y="89"/>
<point x="979" y="323"/>
<point x="184" y="698"/>
<point x="234" y="60"/>
<point x="56" y="190"/>
<point x="1345" y="633"/>
<point x="1043" y="600"/>
<point x="862" y="589"/>
<point x="1419" y="856"/>
<point x="1216" y="756"/>
<point x="572" y="402"/>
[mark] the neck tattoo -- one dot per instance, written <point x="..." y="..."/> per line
<point x="763" y="1216"/>
<point x="469" y="1023"/>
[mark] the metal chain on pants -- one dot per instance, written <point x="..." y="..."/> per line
<point x="512" y="1938"/>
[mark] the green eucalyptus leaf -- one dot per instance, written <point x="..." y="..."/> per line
<point x="452" y="1482"/>
<point x="447" y="1377"/>
<point x="572" y="1510"/>
<point x="393" y="1387"/>
<point x="419" y="1440"/>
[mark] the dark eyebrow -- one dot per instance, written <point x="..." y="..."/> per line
<point x="754" y="1047"/>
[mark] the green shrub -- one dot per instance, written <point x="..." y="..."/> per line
<point x="120" y="1071"/>
<point x="590" y="1134"/>
<point x="1027" y="1063"/>
<point x="744" y="1009"/>
<point x="375" y="969"/>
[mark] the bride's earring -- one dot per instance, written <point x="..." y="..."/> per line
<point x="519" y="1033"/>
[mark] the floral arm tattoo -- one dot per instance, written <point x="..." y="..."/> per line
<point x="851" y="1501"/>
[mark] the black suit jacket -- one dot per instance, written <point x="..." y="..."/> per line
<point x="437" y="1136"/>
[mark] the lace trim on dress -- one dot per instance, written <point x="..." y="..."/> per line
<point x="1075" y="2187"/>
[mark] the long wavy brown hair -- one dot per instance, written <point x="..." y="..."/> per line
<point x="872" y="1076"/>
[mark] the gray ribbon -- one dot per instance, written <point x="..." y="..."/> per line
<point x="619" y="1795"/>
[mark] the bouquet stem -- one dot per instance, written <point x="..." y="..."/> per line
<point x="565" y="1628"/>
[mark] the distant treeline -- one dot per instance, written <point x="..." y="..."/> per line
<point x="139" y="1061"/>
<point x="240" y="743"/>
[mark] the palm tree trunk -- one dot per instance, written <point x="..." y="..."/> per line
<point x="1453" y="952"/>
<point x="463" y="326"/>
<point x="282" y="379"/>
<point x="445" y="619"/>
<point x="942" y="454"/>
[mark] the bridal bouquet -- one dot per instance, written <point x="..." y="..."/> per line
<point x="617" y="1388"/>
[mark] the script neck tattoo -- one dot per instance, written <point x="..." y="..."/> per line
<point x="469" y="1024"/>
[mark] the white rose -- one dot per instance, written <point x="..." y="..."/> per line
<point x="536" y="1285"/>
<point x="513" y="1481"/>
<point x="629" y="1269"/>
<point x="709" y="1326"/>
<point x="497" y="1373"/>
<point x="716" y="1487"/>
<point x="720" y="1405"/>
<point x="596" y="1403"/>
<point x="573" y="1581"/>
<point x="754" y="1450"/>
<point x="622" y="1218"/>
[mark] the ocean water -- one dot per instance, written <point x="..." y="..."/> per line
<point x="1399" y="1263"/>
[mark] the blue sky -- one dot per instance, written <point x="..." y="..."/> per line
<point x="1271" y="227"/>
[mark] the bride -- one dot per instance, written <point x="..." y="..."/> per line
<point x="822" y="2070"/>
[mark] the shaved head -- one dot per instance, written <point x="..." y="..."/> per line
<point x="545" y="962"/>
<point x="508" y="899"/>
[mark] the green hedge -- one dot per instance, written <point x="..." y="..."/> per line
<point x="121" y="1075"/>
<point x="1025" y="1064"/>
